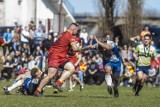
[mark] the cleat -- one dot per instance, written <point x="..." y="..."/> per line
<point x="70" y="90"/>
<point x="5" y="89"/>
<point x="116" y="94"/>
<point x="56" y="86"/>
<point x="134" y="89"/>
<point x="55" y="91"/>
<point x="37" y="94"/>
<point x="81" y="87"/>
<point x="136" y="94"/>
<point x="110" y="90"/>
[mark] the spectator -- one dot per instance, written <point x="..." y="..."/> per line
<point x="16" y="40"/>
<point x="84" y="35"/>
<point x="41" y="26"/>
<point x="39" y="36"/>
<point x="25" y="36"/>
<point x="6" y="72"/>
<point x="92" y="72"/>
<point x="99" y="61"/>
<point x="7" y="37"/>
<point x="82" y="70"/>
<point x="144" y="32"/>
<point x="124" y="53"/>
<point x="136" y="40"/>
<point x="48" y="42"/>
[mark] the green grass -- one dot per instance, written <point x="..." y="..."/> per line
<point x="91" y="96"/>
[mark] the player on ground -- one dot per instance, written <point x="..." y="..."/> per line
<point x="143" y="55"/>
<point x="24" y="79"/>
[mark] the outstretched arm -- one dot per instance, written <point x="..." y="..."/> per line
<point x="103" y="45"/>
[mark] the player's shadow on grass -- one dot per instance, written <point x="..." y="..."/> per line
<point x="99" y="97"/>
<point x="54" y="96"/>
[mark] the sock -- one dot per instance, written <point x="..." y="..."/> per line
<point x="15" y="85"/>
<point x="59" y="83"/>
<point x="38" y="89"/>
<point x="108" y="80"/>
<point x="136" y="84"/>
<point x="115" y="83"/>
<point x="139" y="88"/>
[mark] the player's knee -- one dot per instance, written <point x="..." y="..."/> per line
<point x="51" y="73"/>
<point x="69" y="67"/>
<point x="108" y="69"/>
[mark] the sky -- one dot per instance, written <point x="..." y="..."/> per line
<point x="88" y="6"/>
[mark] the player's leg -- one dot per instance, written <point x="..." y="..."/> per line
<point x="140" y="85"/>
<point x="78" y="80"/>
<point x="18" y="83"/>
<point x="70" y="84"/>
<point x="108" y="78"/>
<point x="116" y="77"/>
<point x="139" y="78"/>
<point x="116" y="81"/>
<point x="44" y="81"/>
<point x="68" y="71"/>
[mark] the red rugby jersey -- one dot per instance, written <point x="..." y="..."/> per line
<point x="62" y="45"/>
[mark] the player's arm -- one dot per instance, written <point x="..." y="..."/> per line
<point x="155" y="56"/>
<point x="79" y="59"/>
<point x="78" y="49"/>
<point x="103" y="45"/>
<point x="135" y="53"/>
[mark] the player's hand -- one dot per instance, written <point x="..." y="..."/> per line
<point x="96" y="39"/>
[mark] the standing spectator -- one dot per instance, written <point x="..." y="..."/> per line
<point x="124" y="53"/>
<point x="144" y="32"/>
<point x="117" y="42"/>
<point x="16" y="40"/>
<point x="84" y="35"/>
<point x="25" y="36"/>
<point x="7" y="37"/>
<point x="39" y="36"/>
<point x="32" y="32"/>
<point x="154" y="45"/>
<point x="41" y="26"/>
<point x="91" y="40"/>
<point x="82" y="70"/>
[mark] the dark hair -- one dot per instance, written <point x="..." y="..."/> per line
<point x="75" y="24"/>
<point x="147" y="35"/>
<point x="33" y="72"/>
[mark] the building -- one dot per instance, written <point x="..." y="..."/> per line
<point x="47" y="11"/>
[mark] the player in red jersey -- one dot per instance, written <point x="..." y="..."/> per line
<point x="57" y="55"/>
<point x="75" y="58"/>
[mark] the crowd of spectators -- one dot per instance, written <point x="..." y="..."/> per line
<point x="27" y="47"/>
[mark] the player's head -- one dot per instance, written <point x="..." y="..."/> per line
<point x="35" y="72"/>
<point x="73" y="28"/>
<point x="147" y="39"/>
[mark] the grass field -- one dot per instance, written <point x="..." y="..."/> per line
<point x="91" y="96"/>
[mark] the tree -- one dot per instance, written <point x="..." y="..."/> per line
<point x="108" y="6"/>
<point x="133" y="19"/>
